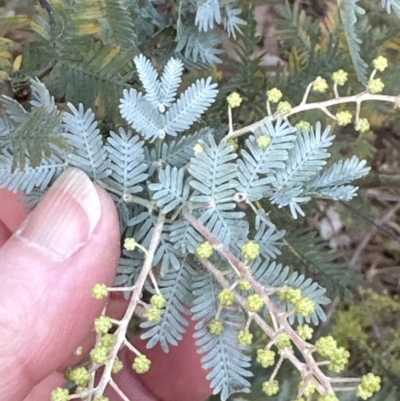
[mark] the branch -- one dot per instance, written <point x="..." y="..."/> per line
<point x="135" y="299"/>
<point x="322" y="382"/>
<point x="358" y="99"/>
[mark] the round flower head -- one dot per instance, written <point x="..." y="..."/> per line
<point x="305" y="331"/>
<point x="216" y="327"/>
<point x="117" y="366"/>
<point x="80" y="376"/>
<point x="263" y="141"/>
<point x="270" y="387"/>
<point x="234" y="100"/>
<point x="305" y="306"/>
<point x="339" y="77"/>
<point x="369" y="385"/>
<point x="130" y="244"/>
<point x="99" y="291"/>
<point x="102" y="324"/>
<point x="375" y="85"/>
<point x="204" y="250"/>
<point x="158" y="301"/>
<point x="380" y="63"/>
<point x="302" y="124"/>
<point x="141" y="364"/>
<point x="99" y="355"/>
<point x="244" y="285"/>
<point x="244" y="337"/>
<point x="343" y="117"/>
<point x="265" y="357"/>
<point x="254" y="303"/>
<point x="153" y="314"/>
<point x="60" y="394"/>
<point x="274" y="95"/>
<point x="250" y="250"/>
<point x="320" y="85"/>
<point x="362" y="125"/>
<point x="283" y="341"/>
<point x="284" y="108"/>
<point x="226" y="297"/>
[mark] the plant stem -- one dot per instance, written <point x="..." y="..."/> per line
<point x="135" y="299"/>
<point x="358" y="99"/>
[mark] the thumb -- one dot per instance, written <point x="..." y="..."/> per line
<point x="47" y="269"/>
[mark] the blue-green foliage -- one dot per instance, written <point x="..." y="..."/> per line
<point x="348" y="14"/>
<point x="176" y="287"/>
<point x="83" y="136"/>
<point x="154" y="115"/>
<point x="256" y="164"/>
<point x="211" y="12"/>
<point x="126" y="163"/>
<point x="391" y="4"/>
<point x="171" y="191"/>
<point x="224" y="358"/>
<point x="215" y="179"/>
<point x="192" y="172"/>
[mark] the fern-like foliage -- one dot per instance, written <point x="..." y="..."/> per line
<point x="208" y="13"/>
<point x="390" y="5"/>
<point x="126" y="162"/>
<point x="177" y="152"/>
<point x="215" y="180"/>
<point x="176" y="286"/>
<point x="348" y="14"/>
<point x="332" y="182"/>
<point x="306" y="158"/>
<point x="146" y="113"/>
<point x="310" y="254"/>
<point x="224" y="358"/>
<point x="120" y="27"/>
<point x="171" y="191"/>
<point x="200" y="47"/>
<point x="272" y="274"/>
<point x="257" y="162"/>
<point x="298" y="31"/>
<point x="30" y="177"/>
<point x="84" y="137"/>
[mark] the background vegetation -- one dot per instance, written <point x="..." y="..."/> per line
<point x="84" y="55"/>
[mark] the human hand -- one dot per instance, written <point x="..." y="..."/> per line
<point x="49" y="261"/>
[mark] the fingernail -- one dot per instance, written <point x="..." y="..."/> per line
<point x="66" y="217"/>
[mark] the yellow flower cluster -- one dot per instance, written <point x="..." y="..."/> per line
<point x="204" y="250"/>
<point x="263" y="141"/>
<point x="130" y="244"/>
<point x="362" y="125"/>
<point x="344" y="117"/>
<point x="274" y="95"/>
<point x="250" y="250"/>
<point x="234" y="100"/>
<point x="99" y="291"/>
<point x="141" y="364"/>
<point x="216" y="327"/>
<point x="380" y="63"/>
<point x="339" y="77"/>
<point x="254" y="303"/>
<point x="375" y="85"/>
<point x="320" y="85"/>
<point x="284" y="108"/>
<point x="226" y="297"/>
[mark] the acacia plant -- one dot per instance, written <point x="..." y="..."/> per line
<point x="202" y="191"/>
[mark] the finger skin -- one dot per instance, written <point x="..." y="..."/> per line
<point x="46" y="308"/>
<point x="12" y="211"/>
<point x="175" y="376"/>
